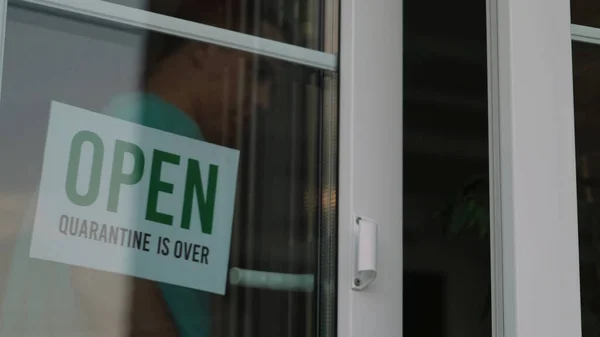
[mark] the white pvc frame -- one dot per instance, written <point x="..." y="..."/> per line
<point x="535" y="240"/>
<point x="370" y="166"/>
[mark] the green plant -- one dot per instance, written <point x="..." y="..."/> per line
<point x="469" y="211"/>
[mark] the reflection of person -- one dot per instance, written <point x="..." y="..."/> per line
<point x="192" y="89"/>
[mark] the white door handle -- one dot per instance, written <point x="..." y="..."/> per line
<point x="365" y="253"/>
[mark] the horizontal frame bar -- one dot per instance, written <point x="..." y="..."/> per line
<point x="585" y="34"/>
<point x="140" y="18"/>
<point x="271" y="280"/>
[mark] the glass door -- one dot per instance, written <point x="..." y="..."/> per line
<point x="169" y="168"/>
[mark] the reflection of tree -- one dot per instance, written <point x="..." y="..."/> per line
<point x="469" y="213"/>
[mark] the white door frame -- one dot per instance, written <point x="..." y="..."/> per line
<point x="370" y="171"/>
<point x="535" y="265"/>
<point x="536" y="255"/>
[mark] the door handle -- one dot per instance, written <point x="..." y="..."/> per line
<point x="365" y="253"/>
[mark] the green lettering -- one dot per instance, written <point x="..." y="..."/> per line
<point x="157" y="186"/>
<point x="118" y="177"/>
<point x="206" y="205"/>
<point x="73" y="168"/>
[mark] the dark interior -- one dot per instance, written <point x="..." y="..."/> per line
<point x="447" y="274"/>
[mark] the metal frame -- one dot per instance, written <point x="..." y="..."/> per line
<point x="140" y="18"/>
<point x="534" y="208"/>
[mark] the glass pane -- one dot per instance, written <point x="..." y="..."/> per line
<point x="279" y="116"/>
<point x="305" y="23"/>
<point x="586" y="81"/>
<point x="585" y="12"/>
<point x="446" y="195"/>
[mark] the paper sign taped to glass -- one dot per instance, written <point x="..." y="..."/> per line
<point x="124" y="198"/>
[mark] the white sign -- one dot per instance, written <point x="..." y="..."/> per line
<point x="124" y="198"/>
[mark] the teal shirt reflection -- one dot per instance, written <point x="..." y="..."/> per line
<point x="189" y="308"/>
